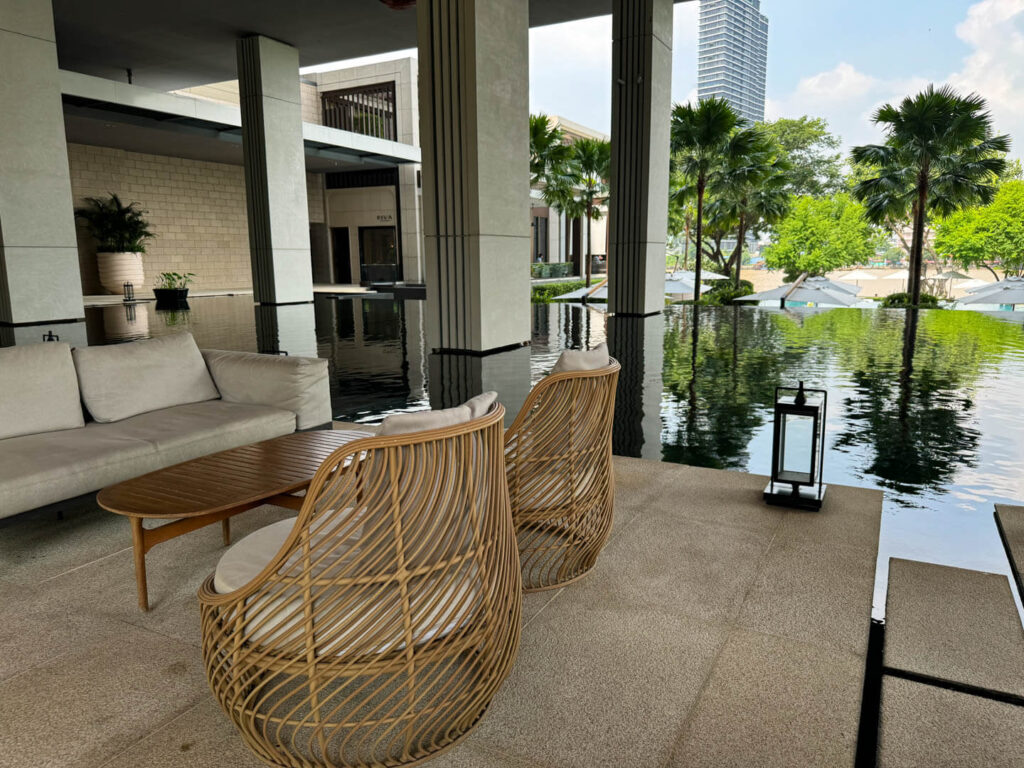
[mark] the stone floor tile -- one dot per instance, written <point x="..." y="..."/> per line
<point x="923" y="726"/>
<point x="772" y="701"/>
<point x="600" y="686"/>
<point x="818" y="593"/>
<point x="88" y="705"/>
<point x="954" y="624"/>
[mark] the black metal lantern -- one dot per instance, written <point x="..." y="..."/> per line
<point x="798" y="448"/>
<point x="129" y="292"/>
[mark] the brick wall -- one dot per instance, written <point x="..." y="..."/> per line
<point x="196" y="208"/>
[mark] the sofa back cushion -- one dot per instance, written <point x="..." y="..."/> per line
<point x="123" y="380"/>
<point x="38" y="390"/>
<point x="582" y="359"/>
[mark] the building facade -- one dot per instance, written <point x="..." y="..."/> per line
<point x="732" y="54"/>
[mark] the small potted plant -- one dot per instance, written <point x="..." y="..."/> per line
<point x="121" y="232"/>
<point x="171" y="290"/>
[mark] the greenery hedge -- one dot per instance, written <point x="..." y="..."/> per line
<point x="724" y="292"/>
<point x="545" y="269"/>
<point x="545" y="293"/>
<point x="902" y="301"/>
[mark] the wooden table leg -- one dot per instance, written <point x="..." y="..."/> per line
<point x="225" y="528"/>
<point x="139" y="550"/>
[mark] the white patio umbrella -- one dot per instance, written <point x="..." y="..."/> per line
<point x="601" y="291"/>
<point x="903" y="274"/>
<point x="810" y="290"/>
<point x="691" y="277"/>
<point x="1008" y="291"/>
<point x="832" y="285"/>
<point x="859" y="274"/>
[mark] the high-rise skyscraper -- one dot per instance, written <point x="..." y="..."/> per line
<point x="732" y="54"/>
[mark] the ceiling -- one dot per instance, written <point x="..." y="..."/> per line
<point x="171" y="45"/>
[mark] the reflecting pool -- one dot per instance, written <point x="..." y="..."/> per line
<point x="927" y="409"/>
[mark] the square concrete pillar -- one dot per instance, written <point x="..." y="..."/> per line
<point x="275" y="171"/>
<point x="638" y="196"/>
<point x="474" y="126"/>
<point x="39" y="278"/>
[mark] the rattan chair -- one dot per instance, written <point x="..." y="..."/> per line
<point x="382" y="628"/>
<point x="558" y="462"/>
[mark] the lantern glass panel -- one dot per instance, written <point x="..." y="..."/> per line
<point x="796" y="449"/>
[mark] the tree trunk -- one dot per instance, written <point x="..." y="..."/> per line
<point x="994" y="273"/>
<point x="916" y="254"/>
<point x="700" y="238"/>
<point x="686" y="249"/>
<point x="589" y="257"/>
<point x="741" y="235"/>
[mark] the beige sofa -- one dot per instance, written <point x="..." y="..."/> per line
<point x="75" y="421"/>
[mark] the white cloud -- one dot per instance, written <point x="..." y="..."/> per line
<point x="847" y="98"/>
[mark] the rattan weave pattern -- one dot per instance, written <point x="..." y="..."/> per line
<point x="381" y="631"/>
<point x="558" y="456"/>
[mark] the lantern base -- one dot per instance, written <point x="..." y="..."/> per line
<point x="807" y="497"/>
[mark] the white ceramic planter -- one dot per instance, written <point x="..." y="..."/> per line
<point x="116" y="269"/>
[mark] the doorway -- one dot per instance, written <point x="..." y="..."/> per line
<point x="378" y="255"/>
<point x="341" y="255"/>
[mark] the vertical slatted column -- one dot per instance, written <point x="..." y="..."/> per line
<point x="473" y="81"/>
<point x="275" y="171"/>
<point x="641" y="104"/>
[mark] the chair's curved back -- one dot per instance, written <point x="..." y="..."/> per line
<point x="558" y="463"/>
<point x="389" y="618"/>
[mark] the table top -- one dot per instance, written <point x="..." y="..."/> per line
<point x="231" y="478"/>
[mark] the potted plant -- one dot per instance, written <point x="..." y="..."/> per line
<point x="121" y="232"/>
<point x="171" y="290"/>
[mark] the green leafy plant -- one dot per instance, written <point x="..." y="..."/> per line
<point x="904" y="301"/>
<point x="724" y="292"/>
<point x="118" y="228"/>
<point x="174" y="280"/>
<point x="544" y="293"/>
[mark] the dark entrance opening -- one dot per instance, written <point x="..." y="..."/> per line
<point x="378" y="255"/>
<point x="342" y="255"/>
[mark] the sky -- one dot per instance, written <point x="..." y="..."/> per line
<point x="836" y="59"/>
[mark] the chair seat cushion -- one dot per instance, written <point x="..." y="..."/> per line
<point x="348" y="619"/>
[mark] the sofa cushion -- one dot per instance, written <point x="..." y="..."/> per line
<point x="123" y="380"/>
<point x="188" y="431"/>
<point x="582" y="359"/>
<point x="481" y="404"/>
<point x="41" y="469"/>
<point x="38" y="390"/>
<point x="421" y="421"/>
<point x="36" y="470"/>
<point x="296" y="384"/>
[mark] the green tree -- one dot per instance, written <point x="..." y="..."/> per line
<point x="811" y="151"/>
<point x="703" y="136"/>
<point x="751" y="192"/>
<point x="548" y="150"/>
<point x="987" y="236"/>
<point x="939" y="156"/>
<point x="583" y="185"/>
<point x="820" y="235"/>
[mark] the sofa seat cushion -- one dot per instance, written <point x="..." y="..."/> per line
<point x="364" y="619"/>
<point x="124" y="380"/>
<point x="38" y="390"/>
<point x="36" y="470"/>
<point x="188" y="431"/>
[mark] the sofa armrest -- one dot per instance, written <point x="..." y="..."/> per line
<point x="296" y="384"/>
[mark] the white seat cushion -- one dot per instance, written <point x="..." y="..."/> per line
<point x="372" y="614"/>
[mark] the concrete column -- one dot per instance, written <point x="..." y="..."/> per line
<point x="39" y="278"/>
<point x="275" y="171"/>
<point x="641" y="108"/>
<point x="638" y="344"/>
<point x="474" y="108"/>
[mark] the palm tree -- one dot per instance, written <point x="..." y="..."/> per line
<point x="548" y="150"/>
<point x="579" y="190"/>
<point x="751" y="189"/>
<point x="939" y="156"/>
<point x="701" y="137"/>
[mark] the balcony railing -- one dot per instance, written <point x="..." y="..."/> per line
<point x="368" y="110"/>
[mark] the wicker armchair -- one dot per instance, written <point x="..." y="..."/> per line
<point x="558" y="463"/>
<point x="390" y="615"/>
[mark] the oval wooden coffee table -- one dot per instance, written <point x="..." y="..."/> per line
<point x="213" y="488"/>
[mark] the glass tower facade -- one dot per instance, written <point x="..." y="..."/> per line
<point x="733" y="54"/>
